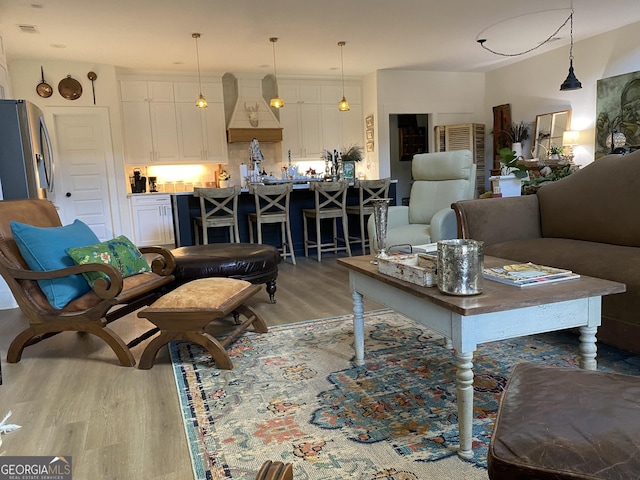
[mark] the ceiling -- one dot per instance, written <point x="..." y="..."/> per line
<point x="155" y="35"/>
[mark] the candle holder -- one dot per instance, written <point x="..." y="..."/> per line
<point x="380" y="211"/>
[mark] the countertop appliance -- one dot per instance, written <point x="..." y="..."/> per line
<point x="26" y="156"/>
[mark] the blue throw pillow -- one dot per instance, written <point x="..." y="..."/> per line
<point x="44" y="249"/>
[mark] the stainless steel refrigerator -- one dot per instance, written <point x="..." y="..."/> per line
<point x="26" y="157"/>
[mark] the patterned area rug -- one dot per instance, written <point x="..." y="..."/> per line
<point x="295" y="396"/>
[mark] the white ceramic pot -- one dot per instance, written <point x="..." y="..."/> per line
<point x="517" y="148"/>
<point x="223" y="183"/>
<point x="510" y="185"/>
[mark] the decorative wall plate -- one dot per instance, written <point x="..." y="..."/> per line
<point x="70" y="88"/>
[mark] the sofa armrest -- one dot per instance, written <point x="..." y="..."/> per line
<point x="495" y="220"/>
<point x="444" y="225"/>
<point x="163" y="263"/>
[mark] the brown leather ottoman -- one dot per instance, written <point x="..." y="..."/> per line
<point x="559" y="423"/>
<point x="253" y="262"/>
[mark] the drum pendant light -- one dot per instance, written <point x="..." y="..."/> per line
<point x="343" y="106"/>
<point x="201" y="102"/>
<point x="275" y="102"/>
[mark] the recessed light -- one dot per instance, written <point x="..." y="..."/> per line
<point x="36" y="5"/>
<point x="58" y="45"/>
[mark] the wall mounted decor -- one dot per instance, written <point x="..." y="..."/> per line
<point x="618" y="111"/>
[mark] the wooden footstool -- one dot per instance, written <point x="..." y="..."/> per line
<point x="184" y="313"/>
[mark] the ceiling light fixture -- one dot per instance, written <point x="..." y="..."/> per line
<point x="275" y="102"/>
<point x="201" y="102"/>
<point x="571" y="82"/>
<point x="343" y="106"/>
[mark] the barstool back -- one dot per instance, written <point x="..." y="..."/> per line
<point x="218" y="208"/>
<point x="272" y="206"/>
<point x="330" y="202"/>
<point x="368" y="190"/>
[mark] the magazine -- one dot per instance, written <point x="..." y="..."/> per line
<point x="528" y="274"/>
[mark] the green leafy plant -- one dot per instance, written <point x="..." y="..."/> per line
<point x="224" y="175"/>
<point x="553" y="150"/>
<point x="353" y="153"/>
<point x="511" y="163"/>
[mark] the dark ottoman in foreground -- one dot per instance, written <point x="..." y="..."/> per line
<point x="563" y="423"/>
<point x="253" y="262"/>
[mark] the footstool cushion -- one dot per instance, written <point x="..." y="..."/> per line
<point x="562" y="423"/>
<point x="255" y="263"/>
<point x="184" y="313"/>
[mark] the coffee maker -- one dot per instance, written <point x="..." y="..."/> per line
<point x="138" y="182"/>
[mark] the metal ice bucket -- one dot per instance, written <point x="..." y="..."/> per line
<point x="460" y="264"/>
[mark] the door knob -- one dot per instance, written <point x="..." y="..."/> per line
<point x="68" y="194"/>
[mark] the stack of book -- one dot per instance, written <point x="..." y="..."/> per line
<point x="528" y="274"/>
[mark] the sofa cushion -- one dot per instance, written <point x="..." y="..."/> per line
<point x="118" y="252"/>
<point x="44" y="249"/>
<point x="610" y="262"/>
<point x="598" y="203"/>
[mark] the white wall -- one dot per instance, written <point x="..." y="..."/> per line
<point x="532" y="86"/>
<point x="450" y="97"/>
<point x="25" y="76"/>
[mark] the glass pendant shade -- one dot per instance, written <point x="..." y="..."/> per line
<point x="201" y="102"/>
<point x="343" y="106"/>
<point x="276" y="102"/>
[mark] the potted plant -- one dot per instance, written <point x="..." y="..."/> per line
<point x="518" y="133"/>
<point x="555" y="152"/>
<point x="223" y="179"/>
<point x="512" y="171"/>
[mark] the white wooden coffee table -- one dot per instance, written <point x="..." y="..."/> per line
<point x="500" y="312"/>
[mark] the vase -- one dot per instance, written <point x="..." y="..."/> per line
<point x="517" y="148"/>
<point x="223" y="183"/>
<point x="380" y="211"/>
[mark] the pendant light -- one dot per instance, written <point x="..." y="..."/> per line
<point x="275" y="102"/>
<point x="201" y="102"/>
<point x="343" y="106"/>
<point x="571" y="82"/>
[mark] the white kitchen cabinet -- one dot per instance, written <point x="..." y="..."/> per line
<point x="150" y="125"/>
<point x="152" y="220"/>
<point x="311" y="120"/>
<point x="201" y="131"/>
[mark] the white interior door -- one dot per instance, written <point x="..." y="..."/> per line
<point x="82" y="165"/>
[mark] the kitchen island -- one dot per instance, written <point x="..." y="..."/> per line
<point x="186" y="207"/>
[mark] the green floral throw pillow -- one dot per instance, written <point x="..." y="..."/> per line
<point x="119" y="252"/>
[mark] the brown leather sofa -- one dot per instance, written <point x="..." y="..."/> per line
<point x="588" y="222"/>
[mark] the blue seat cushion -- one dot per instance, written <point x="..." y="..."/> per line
<point x="44" y="249"/>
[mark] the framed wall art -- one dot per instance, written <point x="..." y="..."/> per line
<point x="369" y="122"/>
<point x="618" y="112"/>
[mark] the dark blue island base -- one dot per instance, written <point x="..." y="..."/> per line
<point x="186" y="207"/>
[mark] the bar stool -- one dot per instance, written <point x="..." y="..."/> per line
<point x="272" y="206"/>
<point x="218" y="208"/>
<point x="368" y="190"/>
<point x="330" y="203"/>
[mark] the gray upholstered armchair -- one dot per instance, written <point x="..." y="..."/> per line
<point x="440" y="179"/>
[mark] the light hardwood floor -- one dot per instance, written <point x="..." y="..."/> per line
<point x="72" y="398"/>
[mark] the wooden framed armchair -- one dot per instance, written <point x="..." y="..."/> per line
<point x="90" y="312"/>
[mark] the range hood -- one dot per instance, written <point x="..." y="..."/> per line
<point x="251" y="117"/>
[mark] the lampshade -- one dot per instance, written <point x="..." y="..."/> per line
<point x="343" y="106"/>
<point x="201" y="102"/>
<point x="275" y="102"/>
<point x="570" y="138"/>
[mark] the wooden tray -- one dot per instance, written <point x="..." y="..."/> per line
<point x="416" y="268"/>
